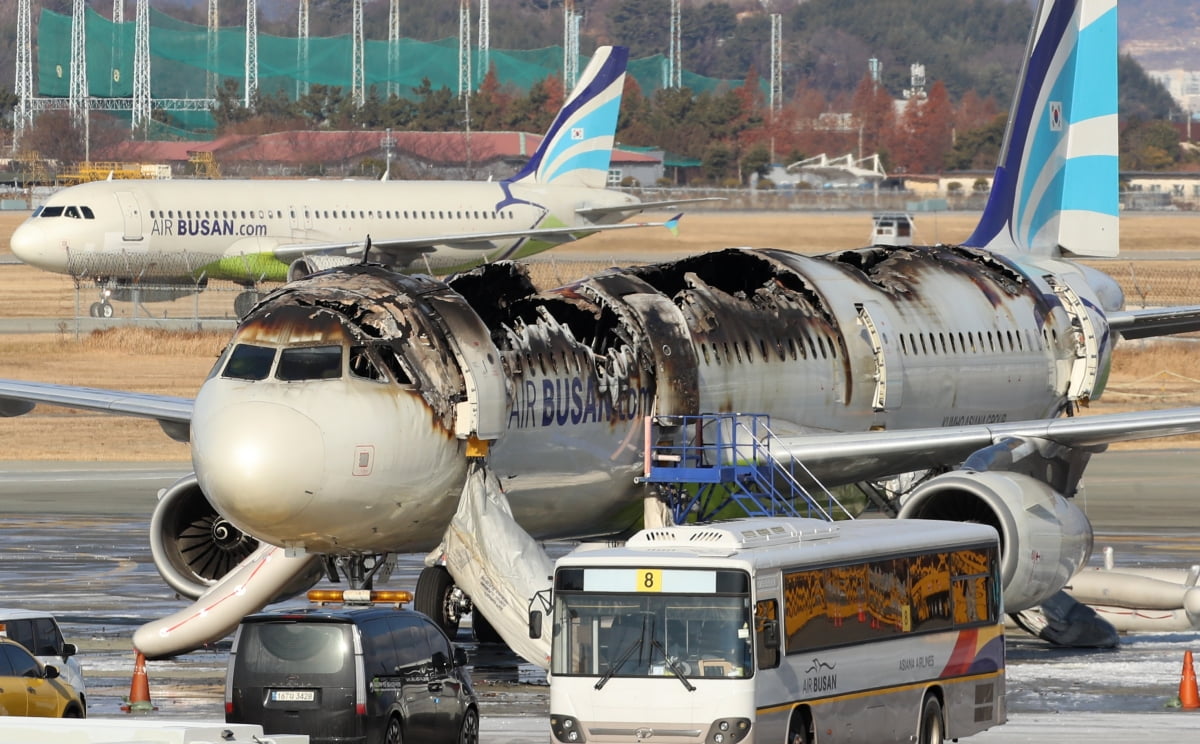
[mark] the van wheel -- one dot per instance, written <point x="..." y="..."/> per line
<point x="394" y="733"/>
<point x="932" y="729"/>
<point x="469" y="733"/>
<point x="72" y="712"/>
<point x="435" y="597"/>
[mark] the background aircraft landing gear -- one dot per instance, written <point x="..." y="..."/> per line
<point x="101" y="310"/>
<point x="438" y="597"/>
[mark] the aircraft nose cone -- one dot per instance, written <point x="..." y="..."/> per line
<point x="259" y="464"/>
<point x="29" y="243"/>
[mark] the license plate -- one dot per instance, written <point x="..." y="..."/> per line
<point x="293" y="696"/>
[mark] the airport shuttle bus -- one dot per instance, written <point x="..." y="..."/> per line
<point x="779" y="630"/>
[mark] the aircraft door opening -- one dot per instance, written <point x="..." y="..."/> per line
<point x="889" y="369"/>
<point x="132" y="213"/>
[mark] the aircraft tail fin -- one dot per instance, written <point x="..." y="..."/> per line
<point x="1056" y="186"/>
<point x="578" y="147"/>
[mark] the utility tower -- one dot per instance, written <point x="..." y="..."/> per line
<point x="674" y="63"/>
<point x="302" y="49"/>
<point x="214" y="23"/>
<point x="23" y="116"/>
<point x="776" y="98"/>
<point x="118" y="11"/>
<point x="357" y="80"/>
<point x="141" y="65"/>
<point x="79" y="85"/>
<point x="570" y="45"/>
<point x="485" y="38"/>
<point x="251" y="52"/>
<point x="464" y="47"/>
<point x="393" y="71"/>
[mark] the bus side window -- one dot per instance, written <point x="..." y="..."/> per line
<point x="766" y="634"/>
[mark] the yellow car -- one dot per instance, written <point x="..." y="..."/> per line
<point x="29" y="689"/>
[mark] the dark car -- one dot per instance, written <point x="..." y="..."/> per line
<point x="370" y="675"/>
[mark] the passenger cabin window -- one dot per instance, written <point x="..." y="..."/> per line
<point x="310" y="363"/>
<point x="249" y="362"/>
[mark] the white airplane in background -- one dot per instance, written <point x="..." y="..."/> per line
<point x="175" y="236"/>
<point x="349" y="407"/>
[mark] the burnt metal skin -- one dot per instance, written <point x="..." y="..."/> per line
<point x="878" y="338"/>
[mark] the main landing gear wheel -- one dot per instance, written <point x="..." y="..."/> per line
<point x="483" y="630"/>
<point x="437" y="597"/>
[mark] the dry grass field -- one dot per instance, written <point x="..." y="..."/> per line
<point x="1145" y="375"/>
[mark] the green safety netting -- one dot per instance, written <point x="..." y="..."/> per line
<point x="181" y="61"/>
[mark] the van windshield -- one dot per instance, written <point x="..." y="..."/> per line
<point x="318" y="653"/>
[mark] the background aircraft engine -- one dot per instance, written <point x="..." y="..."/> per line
<point x="1044" y="538"/>
<point x="194" y="546"/>
<point x="306" y="265"/>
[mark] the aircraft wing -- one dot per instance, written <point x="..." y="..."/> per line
<point x="1162" y="321"/>
<point x="596" y="212"/>
<point x="412" y="248"/>
<point x="856" y="456"/>
<point x="173" y="414"/>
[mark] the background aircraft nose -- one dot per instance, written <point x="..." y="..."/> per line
<point x="31" y="244"/>
<point x="259" y="463"/>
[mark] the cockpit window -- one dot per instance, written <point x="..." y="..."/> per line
<point x="87" y="213"/>
<point x="52" y="212"/>
<point x="249" y="362"/>
<point x="310" y="363"/>
<point x="362" y="364"/>
<point x="72" y="212"/>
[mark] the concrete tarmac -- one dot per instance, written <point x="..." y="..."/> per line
<point x="73" y="540"/>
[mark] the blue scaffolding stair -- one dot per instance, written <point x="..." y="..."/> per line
<point x="706" y="463"/>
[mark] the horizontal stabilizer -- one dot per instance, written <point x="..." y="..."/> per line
<point x="1166" y="321"/>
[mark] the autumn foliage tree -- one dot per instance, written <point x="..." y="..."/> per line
<point x="923" y="137"/>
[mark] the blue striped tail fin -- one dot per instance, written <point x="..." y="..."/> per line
<point x="1056" y="187"/>
<point x="578" y="146"/>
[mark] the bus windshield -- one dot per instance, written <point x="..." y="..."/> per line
<point x="622" y="635"/>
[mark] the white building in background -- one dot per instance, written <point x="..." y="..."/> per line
<point x="1183" y="85"/>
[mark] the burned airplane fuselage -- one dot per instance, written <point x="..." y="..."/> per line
<point x="340" y="416"/>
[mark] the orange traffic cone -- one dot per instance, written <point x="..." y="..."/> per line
<point x="1189" y="698"/>
<point x="139" y="688"/>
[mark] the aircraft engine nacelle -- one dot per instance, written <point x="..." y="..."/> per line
<point x="194" y="546"/>
<point x="307" y="265"/>
<point x="1044" y="538"/>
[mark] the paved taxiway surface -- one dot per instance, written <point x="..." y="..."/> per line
<point x="73" y="541"/>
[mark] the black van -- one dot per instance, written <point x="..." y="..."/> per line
<point x="366" y="675"/>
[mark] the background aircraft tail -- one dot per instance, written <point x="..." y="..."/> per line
<point x="577" y="148"/>
<point x="1056" y="187"/>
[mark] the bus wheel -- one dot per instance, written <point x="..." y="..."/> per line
<point x="932" y="730"/>
<point x="800" y="728"/>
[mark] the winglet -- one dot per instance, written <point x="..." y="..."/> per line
<point x="673" y="224"/>
<point x="578" y="146"/>
<point x="1056" y="187"/>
